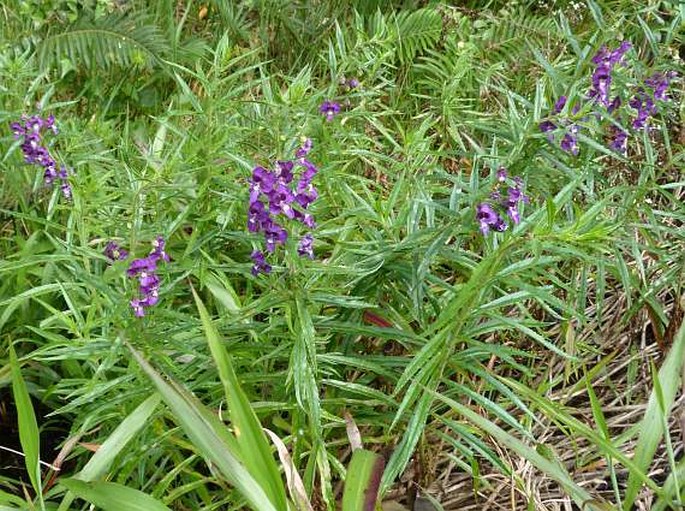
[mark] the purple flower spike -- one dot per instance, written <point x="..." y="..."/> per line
<point x="277" y="193"/>
<point x="330" y="109"/>
<point x="601" y="77"/>
<point x="148" y="281"/>
<point x="501" y="175"/>
<point x="31" y="130"/>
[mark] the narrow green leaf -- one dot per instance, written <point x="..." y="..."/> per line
<point x="29" y="436"/>
<point x="651" y="430"/>
<point x="113" y="496"/>
<point x="209" y="435"/>
<point x="99" y="464"/>
<point x="363" y="481"/>
<point x="254" y="447"/>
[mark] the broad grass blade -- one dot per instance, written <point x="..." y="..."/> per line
<point x="255" y="450"/>
<point x="29" y="436"/>
<point x="113" y="496"/>
<point x="101" y="461"/>
<point x="363" y="481"/>
<point x="651" y="426"/>
<point x="210" y="436"/>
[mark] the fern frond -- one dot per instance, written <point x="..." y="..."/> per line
<point x="112" y="40"/>
<point x="417" y="32"/>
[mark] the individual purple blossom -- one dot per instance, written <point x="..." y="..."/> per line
<point x="619" y="142"/>
<point x="645" y="107"/>
<point x="488" y="213"/>
<point x="659" y="83"/>
<point x="306" y="246"/>
<point x="158" y="245"/>
<point x="304" y="149"/>
<point x="560" y="104"/>
<point x="489" y="218"/>
<point x="330" y="109"/>
<point x="260" y="264"/>
<point x="515" y="197"/>
<point x="114" y="252"/>
<point x="352" y="83"/>
<point x="569" y="142"/>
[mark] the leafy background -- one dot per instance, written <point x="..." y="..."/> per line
<point x="536" y="369"/>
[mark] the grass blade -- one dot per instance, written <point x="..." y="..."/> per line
<point x="99" y="464"/>
<point x="29" y="436"/>
<point x="255" y="450"/>
<point x="553" y="470"/>
<point x="363" y="481"/>
<point x="210" y="436"/>
<point x="113" y="496"/>
<point x="651" y="426"/>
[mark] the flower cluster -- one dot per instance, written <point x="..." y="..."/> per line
<point x="644" y="102"/>
<point x="272" y="195"/>
<point x="31" y="130"/>
<point x="605" y="60"/>
<point x="599" y="94"/>
<point x="148" y="280"/>
<point x="488" y="213"/>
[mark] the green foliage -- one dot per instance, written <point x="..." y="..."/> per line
<point x="113" y="40"/>
<point x="526" y="348"/>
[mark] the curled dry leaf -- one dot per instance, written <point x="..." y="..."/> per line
<point x="295" y="484"/>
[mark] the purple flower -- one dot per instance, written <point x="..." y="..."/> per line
<point x="605" y="61"/>
<point x="260" y="264"/>
<point x="501" y="175"/>
<point x="158" y="245"/>
<point x="306" y="246"/>
<point x="569" y="142"/>
<point x="330" y="109"/>
<point x="114" y="252"/>
<point x="546" y="126"/>
<point x="487" y="217"/>
<point x="304" y="149"/>
<point x="615" y="104"/>
<point x="275" y="235"/>
<point x="620" y="141"/>
<point x="645" y="107"/>
<point x="275" y="194"/>
<point x="659" y="82"/>
<point x="513" y="202"/>
<point x="560" y="104"/>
